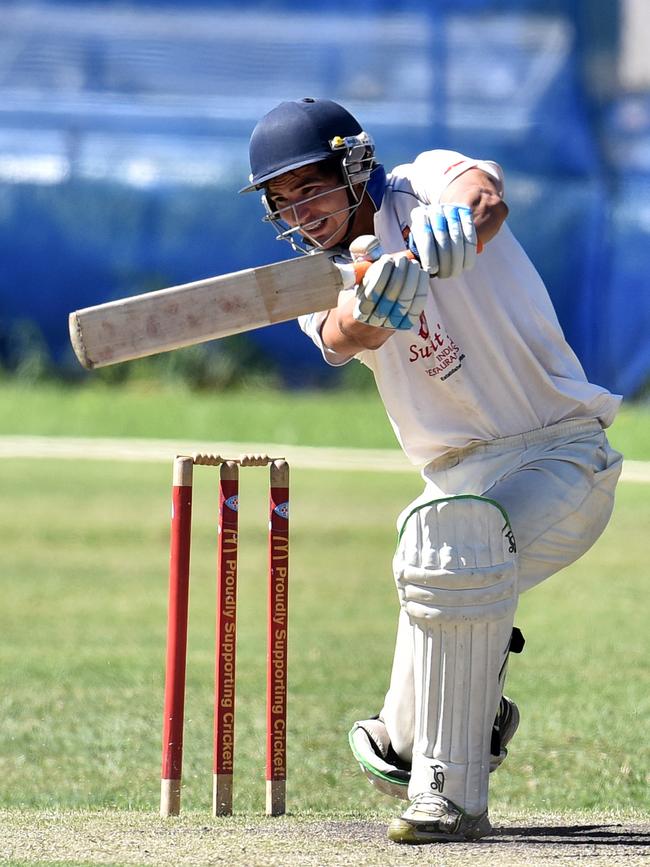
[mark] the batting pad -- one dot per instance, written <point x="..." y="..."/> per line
<point x="456" y="574"/>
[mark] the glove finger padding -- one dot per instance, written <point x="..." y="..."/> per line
<point x="398" y="295"/>
<point x="444" y="238"/>
<point x="443" y="241"/>
<point x="456" y="238"/>
<point x="409" y="288"/>
<point x="420" y="294"/>
<point x="390" y="290"/>
<point x="377" y="292"/>
<point x="421" y="240"/>
<point x="470" y="245"/>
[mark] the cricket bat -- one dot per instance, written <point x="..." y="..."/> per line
<point x="168" y="319"/>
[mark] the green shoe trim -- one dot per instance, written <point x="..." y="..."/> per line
<point x="371" y="768"/>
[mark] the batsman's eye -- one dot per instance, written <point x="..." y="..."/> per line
<point x="282" y="205"/>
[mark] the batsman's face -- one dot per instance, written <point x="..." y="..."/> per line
<point x="313" y="202"/>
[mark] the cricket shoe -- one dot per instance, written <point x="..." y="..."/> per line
<point x="385" y="770"/>
<point x="378" y="760"/>
<point x="433" y="819"/>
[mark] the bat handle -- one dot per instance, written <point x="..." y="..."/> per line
<point x="365" y="250"/>
<point x="360" y="268"/>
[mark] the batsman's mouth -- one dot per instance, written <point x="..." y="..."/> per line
<point x="316" y="227"/>
<point x="326" y="232"/>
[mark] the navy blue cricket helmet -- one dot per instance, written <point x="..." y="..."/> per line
<point x="297" y="133"/>
<point x="305" y="131"/>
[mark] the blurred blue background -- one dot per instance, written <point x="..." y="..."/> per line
<point x="124" y="130"/>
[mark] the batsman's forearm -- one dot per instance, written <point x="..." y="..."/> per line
<point x="478" y="190"/>
<point x="489" y="216"/>
<point x="344" y="335"/>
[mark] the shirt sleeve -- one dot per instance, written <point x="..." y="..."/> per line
<point x="311" y="324"/>
<point x="433" y="171"/>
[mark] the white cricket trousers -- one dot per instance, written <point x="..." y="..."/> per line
<point x="556" y="485"/>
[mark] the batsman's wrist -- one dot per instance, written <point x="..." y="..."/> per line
<point x="363" y="335"/>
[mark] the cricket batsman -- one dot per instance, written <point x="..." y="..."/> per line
<point x="486" y="398"/>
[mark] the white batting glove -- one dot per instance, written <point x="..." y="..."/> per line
<point x="392" y="294"/>
<point x="444" y="239"/>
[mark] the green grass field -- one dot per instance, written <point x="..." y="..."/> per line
<point x="345" y="418"/>
<point x="82" y="637"/>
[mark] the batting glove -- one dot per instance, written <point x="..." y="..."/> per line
<point x="392" y="294"/>
<point x="444" y="239"/>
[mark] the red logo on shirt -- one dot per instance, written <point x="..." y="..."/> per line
<point x="439" y="348"/>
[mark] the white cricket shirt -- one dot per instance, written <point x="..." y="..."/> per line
<point x="489" y="359"/>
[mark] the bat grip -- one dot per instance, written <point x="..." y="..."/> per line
<point x="361" y="267"/>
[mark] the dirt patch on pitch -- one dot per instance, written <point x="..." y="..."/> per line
<point x="114" y="837"/>
<point x="534" y="843"/>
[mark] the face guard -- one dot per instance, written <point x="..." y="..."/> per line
<point x="356" y="165"/>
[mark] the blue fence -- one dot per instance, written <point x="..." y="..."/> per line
<point x="123" y="141"/>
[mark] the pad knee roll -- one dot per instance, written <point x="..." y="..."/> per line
<point x="456" y="561"/>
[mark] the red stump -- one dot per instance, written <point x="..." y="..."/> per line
<point x="276" y="674"/>
<point x="179" y="576"/>
<point x="226" y="640"/>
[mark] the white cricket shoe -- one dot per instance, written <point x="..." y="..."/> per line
<point x="433" y="819"/>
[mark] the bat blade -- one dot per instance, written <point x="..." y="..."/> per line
<point x="205" y="310"/>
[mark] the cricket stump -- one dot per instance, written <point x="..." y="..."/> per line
<point x="276" y="673"/>
<point x="226" y="640"/>
<point x="177" y="613"/>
